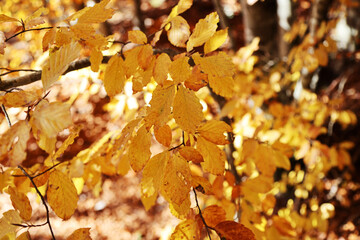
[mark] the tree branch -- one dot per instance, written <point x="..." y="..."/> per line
<point x="33" y="77"/>
<point x="201" y="216"/>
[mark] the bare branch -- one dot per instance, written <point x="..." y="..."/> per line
<point x="201" y="216"/>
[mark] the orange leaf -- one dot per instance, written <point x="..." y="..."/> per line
<point x="213" y="215"/>
<point x="214" y="157"/>
<point x="180" y="70"/>
<point x="21" y="203"/>
<point x="80" y="234"/>
<point x="187" y="229"/>
<point x="139" y="149"/>
<point x="187" y="110"/>
<point x="114" y="76"/>
<point x="231" y="230"/>
<point x="161" y="68"/>
<point x="96" y="14"/>
<point x="197" y="79"/>
<point x="137" y="36"/>
<point x="191" y="154"/>
<point x="61" y="195"/>
<point x="21" y="99"/>
<point x="96" y="57"/>
<point x="214" y="130"/>
<point x="163" y="135"/>
<point x="202" y="185"/>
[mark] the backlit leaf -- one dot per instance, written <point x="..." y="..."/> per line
<point x="114" y="76"/>
<point x="179" y="31"/>
<point x="197" y="79"/>
<point x="203" y="31"/>
<point x="180" y="70"/>
<point x="231" y="230"/>
<point x="6" y="221"/>
<point x="21" y="98"/>
<point x="21" y="203"/>
<point x="4" y="18"/>
<point x="283" y="226"/>
<point x="186" y="230"/>
<point x="58" y="62"/>
<point x="214" y="130"/>
<point x="96" y="14"/>
<point x="214" y="157"/>
<point x="61" y="195"/>
<point x="191" y="154"/>
<point x="176" y="182"/>
<point x="213" y="215"/>
<point x="139" y="149"/>
<point x="137" y="36"/>
<point x="80" y="234"/>
<point x="187" y="110"/>
<point x="161" y="68"/>
<point x="68" y="141"/>
<point x="216" y="41"/>
<point x="163" y="135"/>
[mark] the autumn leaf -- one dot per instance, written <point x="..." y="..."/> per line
<point x="6" y="223"/>
<point x="163" y="135"/>
<point x="179" y="31"/>
<point x="96" y="58"/>
<point x="137" y="36"/>
<point x="21" y="203"/>
<point x="284" y="226"/>
<point x="231" y="230"/>
<point x="202" y="185"/>
<point x="216" y="41"/>
<point x="35" y="18"/>
<point x="191" y="154"/>
<point x="96" y="14"/>
<point x="203" y="31"/>
<point x="180" y="70"/>
<point x="68" y="141"/>
<point x="161" y="68"/>
<point x="214" y="157"/>
<point x="58" y="62"/>
<point x="21" y="98"/>
<point x="214" y="130"/>
<point x="114" y="76"/>
<point x="187" y="229"/>
<point x="187" y="110"/>
<point x="61" y="195"/>
<point x="213" y="215"/>
<point x="80" y="234"/>
<point x="139" y="149"/>
<point x="197" y="79"/>
<point x="4" y="18"/>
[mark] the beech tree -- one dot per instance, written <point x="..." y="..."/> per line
<point x="246" y="135"/>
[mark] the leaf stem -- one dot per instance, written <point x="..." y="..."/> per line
<point x="26" y="30"/>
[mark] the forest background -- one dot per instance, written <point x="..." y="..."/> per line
<point x="193" y="120"/>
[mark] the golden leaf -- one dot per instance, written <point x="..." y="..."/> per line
<point x="114" y="76"/>
<point x="139" y="149"/>
<point x="214" y="157"/>
<point x="48" y="39"/>
<point x="137" y="36"/>
<point x="187" y="109"/>
<point x="163" y="135"/>
<point x="96" y="14"/>
<point x="6" y="223"/>
<point x="21" y="98"/>
<point x="68" y="141"/>
<point x="187" y="229"/>
<point x="176" y="182"/>
<point x="161" y="68"/>
<point x="214" y="130"/>
<point x="80" y="234"/>
<point x="58" y="63"/>
<point x="35" y="18"/>
<point x="191" y="154"/>
<point x="197" y="79"/>
<point x="216" y="41"/>
<point x="149" y="201"/>
<point x="213" y="215"/>
<point x="61" y="195"/>
<point x="153" y="174"/>
<point x="24" y="236"/>
<point x="231" y="230"/>
<point x="283" y="226"/>
<point x="14" y="143"/>
<point x="201" y="184"/>
<point x="140" y="56"/>
<point x="21" y="203"/>
<point x="4" y="180"/>
<point x="160" y="106"/>
<point x="180" y="70"/>
<point x="184" y="5"/>
<point x="203" y="31"/>
<point x="4" y="18"/>
<point x="260" y="184"/>
<point x="182" y="210"/>
<point x="179" y="31"/>
<point x="96" y="57"/>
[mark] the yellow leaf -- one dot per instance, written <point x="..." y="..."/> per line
<point x="202" y="185"/>
<point x="231" y="230"/>
<point x="96" y="14"/>
<point x="21" y="203"/>
<point x="260" y="184"/>
<point x="214" y="130"/>
<point x="61" y="195"/>
<point x="4" y="18"/>
<point x="160" y="106"/>
<point x="137" y="37"/>
<point x="6" y="221"/>
<point x="35" y="18"/>
<point x="163" y="135"/>
<point x="80" y="234"/>
<point x="4" y="180"/>
<point x="114" y="76"/>
<point x="216" y="41"/>
<point x="187" y="110"/>
<point x="21" y="98"/>
<point x="214" y="157"/>
<point x="96" y="57"/>
<point x="140" y="56"/>
<point x="161" y="68"/>
<point x="149" y="201"/>
<point x="176" y="182"/>
<point x="14" y="143"/>
<point x="68" y="141"/>
<point x="48" y="39"/>
<point x="181" y="210"/>
<point x="281" y="160"/>
<point x="203" y="31"/>
<point x="153" y="174"/>
<point x="214" y="215"/>
<point x="191" y="154"/>
<point x="58" y="63"/>
<point x="264" y="160"/>
<point x="24" y="236"/>
<point x="180" y="70"/>
<point x="184" y="5"/>
<point x="179" y="31"/>
<point x="187" y="229"/>
<point x="197" y="79"/>
<point x="139" y="149"/>
<point x="64" y="36"/>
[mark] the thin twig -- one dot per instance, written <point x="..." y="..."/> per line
<point x="16" y="70"/>
<point x="29" y="225"/>
<point x="42" y="199"/>
<point x="6" y="115"/>
<point x="201" y="216"/>
<point x="26" y="30"/>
